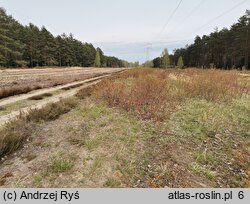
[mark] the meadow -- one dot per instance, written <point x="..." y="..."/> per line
<point x="140" y="128"/>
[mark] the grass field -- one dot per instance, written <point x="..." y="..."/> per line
<point x="140" y="128"/>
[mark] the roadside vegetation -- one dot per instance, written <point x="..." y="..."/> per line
<point x="12" y="85"/>
<point x="140" y="128"/>
<point x="202" y="118"/>
<point x="17" y="131"/>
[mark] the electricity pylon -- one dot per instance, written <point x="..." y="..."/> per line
<point x="148" y="47"/>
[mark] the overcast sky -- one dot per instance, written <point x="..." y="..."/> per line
<point x="123" y="28"/>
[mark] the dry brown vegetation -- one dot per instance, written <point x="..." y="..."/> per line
<point x="15" y="90"/>
<point x="41" y="96"/>
<point x="14" y="83"/>
<point x="145" y="96"/>
<point x="213" y="85"/>
<point x="140" y="128"/>
<point x="17" y="131"/>
<point x="207" y="115"/>
<point x="87" y="91"/>
<point x="149" y="92"/>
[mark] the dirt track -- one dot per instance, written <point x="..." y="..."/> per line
<point x="47" y="77"/>
<point x="14" y="99"/>
<point x="55" y="98"/>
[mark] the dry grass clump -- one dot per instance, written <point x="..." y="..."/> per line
<point x="149" y="92"/>
<point x="148" y="97"/>
<point x="213" y="85"/>
<point x="140" y="72"/>
<point x="52" y="111"/>
<point x="15" y="132"/>
<point x="59" y="163"/>
<point x="145" y="95"/>
<point x="2" y="108"/>
<point x="17" y="89"/>
<point x="72" y="87"/>
<point x="41" y="96"/>
<point x="86" y="91"/>
<point x="191" y="71"/>
<point x="136" y="73"/>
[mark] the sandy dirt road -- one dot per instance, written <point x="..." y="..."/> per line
<point x="5" y="118"/>
<point x="14" y="99"/>
<point x="53" y="99"/>
<point x="47" y="77"/>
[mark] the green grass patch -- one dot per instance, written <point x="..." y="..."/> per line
<point x="201" y="119"/>
<point x="92" y="113"/>
<point x="59" y="163"/>
<point x="200" y="170"/>
<point x="112" y="183"/>
<point x="37" y="179"/>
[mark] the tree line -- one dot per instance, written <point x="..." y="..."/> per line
<point x="31" y="46"/>
<point x="224" y="49"/>
<point x="166" y="60"/>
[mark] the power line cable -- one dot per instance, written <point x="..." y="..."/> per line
<point x="187" y="16"/>
<point x="171" y="16"/>
<point x="193" y="10"/>
<point x="209" y="22"/>
<point x="219" y="16"/>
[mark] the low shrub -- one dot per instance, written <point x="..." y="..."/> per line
<point x="149" y="92"/>
<point x="41" y="96"/>
<point x="14" y="90"/>
<point x="213" y="85"/>
<point x="146" y="95"/>
<point x="52" y="111"/>
<point x="15" y="132"/>
<point x="85" y="92"/>
<point x="136" y="73"/>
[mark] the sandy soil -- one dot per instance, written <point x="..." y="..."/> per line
<point x="12" y="77"/>
<point x="41" y="103"/>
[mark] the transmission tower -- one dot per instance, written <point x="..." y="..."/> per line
<point x="148" y="48"/>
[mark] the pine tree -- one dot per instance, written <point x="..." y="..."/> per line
<point x="9" y="48"/>
<point x="33" y="46"/>
<point x="165" y="61"/>
<point x="47" y="47"/>
<point x="31" y="40"/>
<point x="180" y="63"/>
<point x="97" y="59"/>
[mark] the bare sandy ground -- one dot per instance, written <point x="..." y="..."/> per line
<point x="14" y="99"/>
<point x="41" y="103"/>
<point x="5" y="118"/>
<point x="10" y="77"/>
